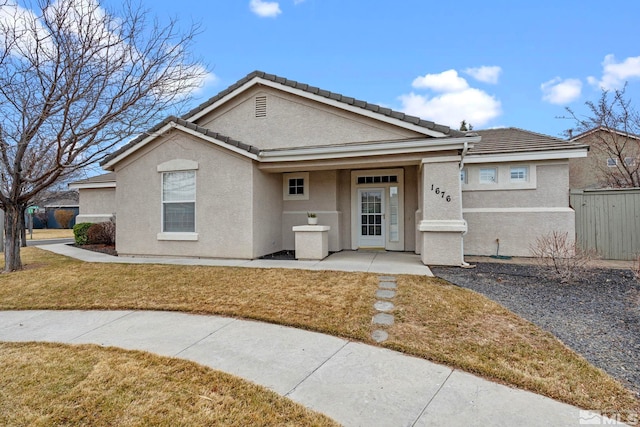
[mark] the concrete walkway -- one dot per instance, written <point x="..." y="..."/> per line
<point x="367" y="261"/>
<point x="353" y="383"/>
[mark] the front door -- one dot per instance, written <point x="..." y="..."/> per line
<point x="371" y="215"/>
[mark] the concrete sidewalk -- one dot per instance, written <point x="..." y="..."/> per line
<point x="367" y="261"/>
<point x="353" y="383"/>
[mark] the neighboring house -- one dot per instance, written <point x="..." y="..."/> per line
<point x="51" y="202"/>
<point x="613" y="160"/>
<point x="233" y="176"/>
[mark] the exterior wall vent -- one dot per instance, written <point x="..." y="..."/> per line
<point x="261" y="106"/>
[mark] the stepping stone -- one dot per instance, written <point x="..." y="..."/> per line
<point x="379" y="335"/>
<point x="386" y="294"/>
<point x="383" y="306"/>
<point x="388" y="285"/>
<point x="383" y="319"/>
<point x="387" y="278"/>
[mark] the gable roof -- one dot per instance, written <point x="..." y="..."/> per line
<point x="346" y="101"/>
<point x="604" y="129"/>
<point x="166" y="125"/>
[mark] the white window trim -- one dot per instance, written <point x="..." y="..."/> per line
<point x="615" y="162"/>
<point x="285" y="186"/>
<point x="503" y="181"/>
<point x="519" y="180"/>
<point x="464" y="176"/>
<point x="178" y="235"/>
<point x="495" y="176"/>
<point x="630" y="161"/>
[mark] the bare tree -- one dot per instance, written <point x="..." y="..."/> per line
<point x="76" y="80"/>
<point x="614" y="127"/>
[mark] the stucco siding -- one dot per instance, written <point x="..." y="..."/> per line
<point x="223" y="197"/>
<point x="267" y="213"/>
<point x="323" y="200"/>
<point x="516" y="231"/>
<point x="517" y="217"/>
<point x="551" y="188"/>
<point x="100" y="201"/>
<point x="292" y="121"/>
<point x="410" y="207"/>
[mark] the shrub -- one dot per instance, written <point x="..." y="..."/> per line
<point x="64" y="217"/>
<point x="102" y="233"/>
<point x="560" y="257"/>
<point x="80" y="232"/>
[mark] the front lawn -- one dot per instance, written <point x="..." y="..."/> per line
<point x="434" y="319"/>
<point x="44" y="384"/>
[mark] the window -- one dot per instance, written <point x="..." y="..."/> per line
<point x="377" y="179"/>
<point x="611" y="162"/>
<point x="179" y="202"/>
<point x="488" y="176"/>
<point x="629" y="161"/>
<point x="463" y="176"/>
<point x="295" y="186"/>
<point x="519" y="174"/>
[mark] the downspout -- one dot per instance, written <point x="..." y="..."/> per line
<point x="465" y="148"/>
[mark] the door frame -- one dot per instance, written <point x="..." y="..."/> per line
<point x="397" y="244"/>
<point x="381" y="240"/>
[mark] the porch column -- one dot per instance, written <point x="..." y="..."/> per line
<point x="442" y="226"/>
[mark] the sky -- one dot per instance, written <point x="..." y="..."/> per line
<point x="496" y="63"/>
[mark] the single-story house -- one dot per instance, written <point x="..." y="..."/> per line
<point x="231" y="178"/>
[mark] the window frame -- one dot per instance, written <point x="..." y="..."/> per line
<point x="525" y="174"/>
<point x="487" y="182"/>
<point x="464" y="176"/>
<point x="612" y="162"/>
<point x="286" y="177"/>
<point x="164" y="202"/>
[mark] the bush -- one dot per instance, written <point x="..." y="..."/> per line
<point x="80" y="232"/>
<point x="102" y="233"/>
<point x="64" y="217"/>
<point x="561" y="257"/>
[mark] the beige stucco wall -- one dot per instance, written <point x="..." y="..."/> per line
<point x="293" y="121"/>
<point x="323" y="200"/>
<point x="223" y="198"/>
<point x="100" y="201"/>
<point x="516" y="217"/>
<point x="411" y="189"/>
<point x="267" y="213"/>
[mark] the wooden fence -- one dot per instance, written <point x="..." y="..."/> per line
<point x="608" y="221"/>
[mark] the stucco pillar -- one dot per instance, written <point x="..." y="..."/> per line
<point x="442" y="225"/>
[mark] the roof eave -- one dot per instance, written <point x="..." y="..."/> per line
<point x="366" y="150"/>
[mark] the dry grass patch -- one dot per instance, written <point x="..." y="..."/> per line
<point x="50" y="384"/>
<point x="434" y="320"/>
<point x="463" y="329"/>
<point x="52" y="233"/>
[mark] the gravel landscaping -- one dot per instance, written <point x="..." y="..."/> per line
<point x="598" y="317"/>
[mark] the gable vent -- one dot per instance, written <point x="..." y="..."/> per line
<point x="261" y="106"/>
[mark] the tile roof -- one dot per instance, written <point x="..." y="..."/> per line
<point x="98" y="179"/>
<point x="515" y="140"/>
<point x="204" y="131"/>
<point x="330" y="95"/>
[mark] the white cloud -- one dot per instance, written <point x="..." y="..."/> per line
<point x="558" y="91"/>
<point x="472" y="105"/>
<point x="265" y="9"/>
<point x="455" y="101"/>
<point x="615" y="74"/>
<point x="447" y="81"/>
<point x="485" y="74"/>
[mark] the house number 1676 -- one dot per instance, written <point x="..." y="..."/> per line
<point x="442" y="193"/>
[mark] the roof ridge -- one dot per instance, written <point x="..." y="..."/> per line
<point x="417" y="121"/>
